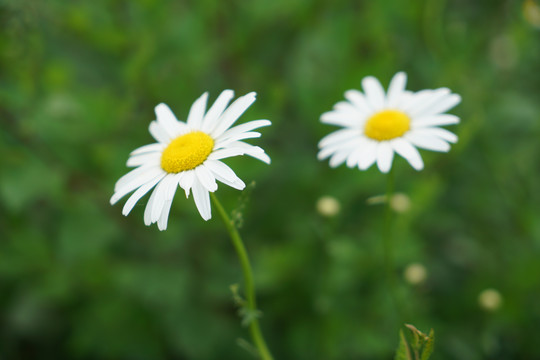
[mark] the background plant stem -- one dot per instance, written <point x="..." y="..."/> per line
<point x="388" y="245"/>
<point x="249" y="286"/>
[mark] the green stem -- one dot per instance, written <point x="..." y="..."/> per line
<point x="254" y="329"/>
<point x="388" y="244"/>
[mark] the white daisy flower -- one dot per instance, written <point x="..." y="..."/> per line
<point x="377" y="124"/>
<point x="188" y="154"/>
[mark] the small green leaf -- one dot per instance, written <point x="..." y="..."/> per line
<point x="246" y="345"/>
<point x="417" y="335"/>
<point x="403" y="352"/>
<point x="238" y="300"/>
<point x="428" y="346"/>
<point x="248" y="315"/>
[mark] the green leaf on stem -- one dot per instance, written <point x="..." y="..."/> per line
<point x="428" y="346"/>
<point x="416" y="346"/>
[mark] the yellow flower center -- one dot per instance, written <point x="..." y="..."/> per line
<point x="186" y="152"/>
<point x="387" y="125"/>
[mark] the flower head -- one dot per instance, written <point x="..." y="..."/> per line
<point x="328" y="206"/>
<point x="490" y="299"/>
<point x="188" y="154"/>
<point x="377" y="123"/>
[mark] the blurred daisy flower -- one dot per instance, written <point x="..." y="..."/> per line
<point x="188" y="154"/>
<point x="377" y="124"/>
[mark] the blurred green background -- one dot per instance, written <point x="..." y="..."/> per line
<point x="78" y="84"/>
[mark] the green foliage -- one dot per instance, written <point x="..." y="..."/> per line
<point x="403" y="352"/>
<point x="78" y="84"/>
<point x="419" y="347"/>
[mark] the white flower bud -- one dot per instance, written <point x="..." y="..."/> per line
<point x="490" y="299"/>
<point x="400" y="203"/>
<point x="328" y="206"/>
<point x="415" y="273"/>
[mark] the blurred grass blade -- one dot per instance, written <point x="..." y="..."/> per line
<point x="403" y="352"/>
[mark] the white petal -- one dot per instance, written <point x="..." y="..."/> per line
<point x="443" y="105"/>
<point x="385" y="155"/>
<point x="144" y="159"/>
<point x="159" y="133"/>
<point x="224" y="174"/>
<point x="358" y="152"/>
<point x="353" y="158"/>
<point x="202" y="200"/>
<point x="216" y="110"/>
<point x="408" y="152"/>
<point x="421" y="99"/>
<point x="338" y="137"/>
<point x="148" y="209"/>
<point x="161" y="196"/>
<point x="250" y="150"/>
<point x="395" y="89"/>
<point x="435" y="97"/>
<point x="242" y="136"/>
<point x="435" y="120"/>
<point x="132" y="175"/>
<point x="167" y="120"/>
<point x="135" y="182"/>
<point x="345" y="106"/>
<point x="137" y="195"/>
<point x="148" y="149"/>
<point x="252" y="125"/>
<point x="337" y="147"/>
<point x="196" y="113"/>
<point x="359" y="101"/>
<point x="339" y="157"/>
<point x="405" y="99"/>
<point x="232" y="114"/>
<point x="206" y="178"/>
<point x="427" y="142"/>
<point x="239" y="148"/>
<point x="164" y="216"/>
<point x="374" y="92"/>
<point x="369" y="155"/>
<point x="326" y="152"/>
<point x="438" y="132"/>
<point x="186" y="180"/>
<point x="226" y="153"/>
<point x="341" y="118"/>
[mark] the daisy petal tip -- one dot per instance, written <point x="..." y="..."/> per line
<point x="370" y="83"/>
<point x="113" y="200"/>
<point x="384" y="168"/>
<point x="227" y="93"/>
<point x="250" y="97"/>
<point x="400" y="76"/>
<point x="206" y="217"/>
<point x="161" y="107"/>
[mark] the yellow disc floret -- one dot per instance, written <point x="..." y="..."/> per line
<point x="387" y="125"/>
<point x="186" y="152"/>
